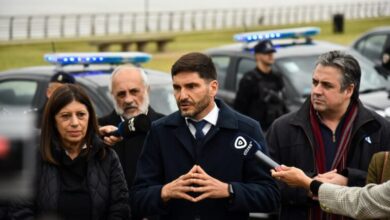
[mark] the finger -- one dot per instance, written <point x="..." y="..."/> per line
<point x="193" y="169"/>
<point x="200" y="170"/>
<point x="275" y="174"/>
<point x="201" y="197"/>
<point x="199" y="182"/>
<point x="200" y="176"/>
<point x="200" y="189"/>
<point x="185" y="196"/>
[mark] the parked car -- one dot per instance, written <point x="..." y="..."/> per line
<point x="372" y="43"/>
<point x="26" y="87"/>
<point x="295" y="61"/>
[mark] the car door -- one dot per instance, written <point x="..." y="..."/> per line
<point x="373" y="45"/>
<point x="23" y="92"/>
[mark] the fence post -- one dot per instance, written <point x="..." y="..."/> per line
<point x="204" y="21"/>
<point x="120" y="23"/>
<point x="77" y="22"/>
<point x="159" y="20"/>
<point x="214" y="21"/>
<point x="11" y="28"/>
<point x="46" y="26"/>
<point x="106" y="24"/>
<point x="62" y="25"/>
<point x="243" y="18"/>
<point x="93" y="28"/>
<point x="224" y="18"/>
<point x="234" y="18"/>
<point x="182" y="20"/>
<point x="193" y="20"/>
<point x="171" y="20"/>
<point x="29" y="27"/>
<point x="133" y="22"/>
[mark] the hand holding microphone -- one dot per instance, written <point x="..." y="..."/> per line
<point x="126" y="129"/>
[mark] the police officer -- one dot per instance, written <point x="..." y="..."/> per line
<point x="259" y="95"/>
<point x="56" y="81"/>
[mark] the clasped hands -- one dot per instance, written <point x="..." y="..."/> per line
<point x="194" y="186"/>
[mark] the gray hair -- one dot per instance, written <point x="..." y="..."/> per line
<point x="128" y="67"/>
<point x="348" y="66"/>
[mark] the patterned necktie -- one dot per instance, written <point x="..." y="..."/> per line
<point x="199" y="125"/>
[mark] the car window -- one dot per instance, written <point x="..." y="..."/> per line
<point x="221" y="65"/>
<point x="371" y="79"/>
<point x="299" y="72"/>
<point x="244" y="65"/>
<point x="162" y="99"/>
<point x="17" y="92"/>
<point x="372" y="46"/>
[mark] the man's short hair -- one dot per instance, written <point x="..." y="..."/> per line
<point x="195" y="62"/>
<point x="62" y="77"/>
<point x="348" y="66"/>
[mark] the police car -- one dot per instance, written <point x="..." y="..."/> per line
<point x="295" y="57"/>
<point x="26" y="87"/>
<point x="373" y="43"/>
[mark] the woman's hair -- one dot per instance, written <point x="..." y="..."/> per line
<point x="50" y="136"/>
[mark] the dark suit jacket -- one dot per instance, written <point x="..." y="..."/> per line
<point x="129" y="149"/>
<point x="170" y="152"/>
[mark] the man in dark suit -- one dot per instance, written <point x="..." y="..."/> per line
<point x="129" y="88"/>
<point x="195" y="162"/>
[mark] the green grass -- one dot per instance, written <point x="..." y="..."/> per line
<point x="22" y="54"/>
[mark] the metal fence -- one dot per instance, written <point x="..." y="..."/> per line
<point x="88" y="25"/>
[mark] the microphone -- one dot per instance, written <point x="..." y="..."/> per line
<point x="251" y="147"/>
<point x="127" y="128"/>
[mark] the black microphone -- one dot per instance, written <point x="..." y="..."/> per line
<point x="251" y="147"/>
<point x="127" y="128"/>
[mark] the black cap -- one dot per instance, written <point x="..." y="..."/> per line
<point x="62" y="77"/>
<point x="264" y="46"/>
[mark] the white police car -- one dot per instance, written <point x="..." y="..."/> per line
<point x="26" y="87"/>
<point x="295" y="58"/>
<point x="372" y="43"/>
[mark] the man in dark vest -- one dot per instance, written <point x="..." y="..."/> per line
<point x="259" y="94"/>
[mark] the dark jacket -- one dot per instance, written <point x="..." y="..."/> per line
<point x="105" y="181"/>
<point x="169" y="152"/>
<point x="259" y="96"/>
<point x="291" y="142"/>
<point x="129" y="149"/>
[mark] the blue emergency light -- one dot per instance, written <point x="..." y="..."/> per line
<point x="277" y="34"/>
<point x="97" y="58"/>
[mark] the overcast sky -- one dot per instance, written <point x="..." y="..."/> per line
<point x="32" y="7"/>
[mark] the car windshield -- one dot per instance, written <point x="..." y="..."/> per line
<point x="299" y="72"/>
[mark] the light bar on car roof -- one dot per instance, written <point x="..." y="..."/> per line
<point x="97" y="58"/>
<point x="277" y="34"/>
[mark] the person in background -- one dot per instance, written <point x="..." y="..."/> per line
<point x="191" y="166"/>
<point x="384" y="67"/>
<point x="77" y="176"/>
<point x="129" y="88"/>
<point x="259" y="94"/>
<point x="370" y="201"/>
<point x="55" y="82"/>
<point x="332" y="130"/>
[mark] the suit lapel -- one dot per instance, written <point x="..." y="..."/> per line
<point x="185" y="138"/>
